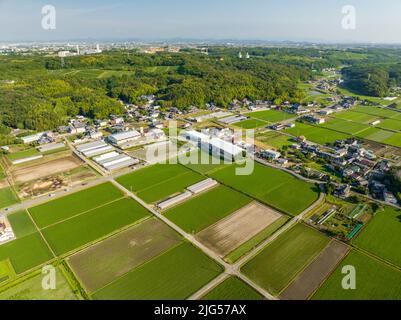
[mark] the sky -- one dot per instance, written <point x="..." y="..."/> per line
<point x="377" y="21"/>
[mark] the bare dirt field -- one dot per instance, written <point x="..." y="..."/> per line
<point x="106" y="261"/>
<point x="45" y="169"/>
<point x="4" y="183"/>
<point x="310" y="279"/>
<point x="229" y="233"/>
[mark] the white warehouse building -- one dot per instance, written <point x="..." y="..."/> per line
<point x="215" y="146"/>
<point x="124" y="137"/>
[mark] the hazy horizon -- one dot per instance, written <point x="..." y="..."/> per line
<point x="253" y="20"/>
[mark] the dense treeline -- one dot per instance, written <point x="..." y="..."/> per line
<point x="372" y="80"/>
<point x="48" y="90"/>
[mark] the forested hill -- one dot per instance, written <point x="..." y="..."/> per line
<point x="46" y="93"/>
<point x="373" y="80"/>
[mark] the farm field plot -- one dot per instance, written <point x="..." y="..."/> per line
<point x="276" y="265"/>
<point x="174" y="275"/>
<point x="232" y="288"/>
<point x="73" y="204"/>
<point x="229" y="233"/>
<point x="106" y="261"/>
<point x="7" y="197"/>
<point x="272" y="187"/>
<point x="23" y="154"/>
<point x="375" y="281"/>
<point x="207" y="208"/>
<point x="274" y="139"/>
<point x="375" y="134"/>
<point x="382" y="236"/>
<point x="356" y="117"/>
<point x="203" y="163"/>
<point x="316" y="273"/>
<point x="394" y="140"/>
<point x="345" y="126"/>
<point x="390" y="124"/>
<point x="21" y="224"/>
<point x="379" y="112"/>
<point x="25" y="253"/>
<point x="25" y="174"/>
<point x="270" y="116"/>
<point x="317" y="134"/>
<point x="256" y="240"/>
<point x="251" y="124"/>
<point x="75" y="232"/>
<point x="159" y="181"/>
<point x="31" y="289"/>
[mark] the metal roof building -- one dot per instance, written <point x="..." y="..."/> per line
<point x="124" y="137"/>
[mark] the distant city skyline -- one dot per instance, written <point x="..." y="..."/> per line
<point x="285" y="20"/>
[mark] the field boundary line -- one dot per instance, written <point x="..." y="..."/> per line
<point x="331" y="273"/>
<point x="291" y="223"/>
<point x="164" y="181"/>
<point x="96" y="241"/>
<point x="377" y="258"/>
<point x="209" y="286"/>
<point x="308" y="263"/>
<point x="141" y="265"/>
<point x="39" y="231"/>
<point x="211" y="254"/>
<point x="81" y="213"/>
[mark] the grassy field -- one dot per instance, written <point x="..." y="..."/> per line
<point x="271" y="186"/>
<point x="255" y="241"/>
<point x="251" y="124"/>
<point x="174" y="275"/>
<point x="379" y="112"/>
<point x="75" y="232"/>
<point x="206" y="209"/>
<point x="114" y="73"/>
<point x="203" y="163"/>
<point x="106" y="261"/>
<point x="276" y="265"/>
<point x="6" y="271"/>
<point x="76" y="203"/>
<point x="159" y="181"/>
<point x="270" y="116"/>
<point x="345" y="126"/>
<point x="22" y="224"/>
<point x="26" y="253"/>
<point x="274" y="139"/>
<point x="232" y="289"/>
<point x="382" y="236"/>
<point x="23" y="154"/>
<point x="316" y="134"/>
<point x="374" y="281"/>
<point x="7" y="197"/>
<point x="390" y="124"/>
<point x="356" y="117"/>
<point x="31" y="289"/>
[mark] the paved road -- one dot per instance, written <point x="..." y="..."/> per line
<point x="290" y="224"/>
<point x="229" y="269"/>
